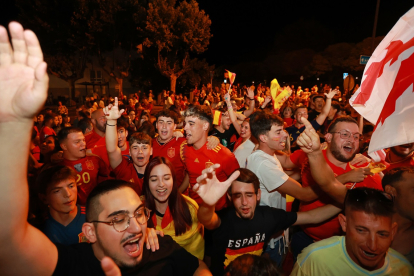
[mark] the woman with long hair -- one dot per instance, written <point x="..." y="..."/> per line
<point x="172" y="212"/>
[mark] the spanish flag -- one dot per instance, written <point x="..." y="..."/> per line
<point x="216" y="117"/>
<point x="232" y="77"/>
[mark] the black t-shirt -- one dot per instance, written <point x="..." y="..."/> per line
<point x="237" y="236"/>
<point x="170" y="259"/>
<point x="225" y="137"/>
<point x="313" y="114"/>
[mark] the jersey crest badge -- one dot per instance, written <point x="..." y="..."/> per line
<point x="89" y="165"/>
<point x="78" y="167"/>
<point x="171" y="152"/>
<point x="82" y="238"/>
<point x="209" y="164"/>
<point x="196" y="160"/>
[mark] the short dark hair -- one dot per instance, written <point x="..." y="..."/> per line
<point x="84" y="124"/>
<point x="299" y="107"/>
<point x="370" y="201"/>
<point x="336" y="105"/>
<point x="317" y="97"/>
<point x="49" y="117"/>
<point x="169" y="114"/>
<point x="64" y="132"/>
<point x="395" y="175"/>
<point x="122" y="123"/>
<point x="346" y="119"/>
<point x="93" y="208"/>
<point x="247" y="176"/>
<point x="198" y="112"/>
<point x="52" y="176"/>
<point x="263" y="123"/>
<point x="140" y="138"/>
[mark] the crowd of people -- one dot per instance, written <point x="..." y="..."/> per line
<point x="216" y="183"/>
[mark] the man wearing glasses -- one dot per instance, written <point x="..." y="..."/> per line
<point x="343" y="144"/>
<point x="368" y="225"/>
<point x="27" y="251"/>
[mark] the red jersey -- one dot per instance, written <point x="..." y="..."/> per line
<point x="197" y="160"/>
<point x="93" y="139"/>
<point x="126" y="171"/>
<point x="171" y="150"/>
<point x="407" y="162"/>
<point x="103" y="154"/>
<point x="88" y="169"/>
<point x="331" y="227"/>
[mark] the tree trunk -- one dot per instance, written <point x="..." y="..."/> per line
<point x="173" y="81"/>
<point x="121" y="92"/>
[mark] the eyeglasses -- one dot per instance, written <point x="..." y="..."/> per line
<point x="344" y="134"/>
<point x="121" y="221"/>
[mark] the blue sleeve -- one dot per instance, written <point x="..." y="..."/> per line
<point x="315" y="125"/>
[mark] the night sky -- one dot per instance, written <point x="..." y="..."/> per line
<point x="245" y="31"/>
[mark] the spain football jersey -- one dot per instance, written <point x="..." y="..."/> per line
<point x="88" y="170"/>
<point x="127" y="172"/>
<point x="407" y="162"/>
<point x="103" y="154"/>
<point x="330" y="227"/>
<point x="171" y="150"/>
<point x="197" y="160"/>
<point x="93" y="139"/>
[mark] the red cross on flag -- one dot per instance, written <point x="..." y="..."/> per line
<point x="386" y="96"/>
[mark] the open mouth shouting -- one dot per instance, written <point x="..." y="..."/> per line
<point x="133" y="247"/>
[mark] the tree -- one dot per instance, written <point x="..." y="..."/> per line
<point x="116" y="29"/>
<point x="176" y="30"/>
<point x="65" y="44"/>
<point x="199" y="73"/>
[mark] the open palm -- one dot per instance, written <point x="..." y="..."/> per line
<point x="23" y="78"/>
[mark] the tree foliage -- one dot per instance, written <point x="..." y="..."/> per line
<point x="176" y="30"/>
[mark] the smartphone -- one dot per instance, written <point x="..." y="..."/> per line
<point x="225" y="81"/>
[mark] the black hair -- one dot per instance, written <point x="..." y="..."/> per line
<point x="370" y="201"/>
<point x="52" y="176"/>
<point x="263" y="123"/>
<point x="93" y="208"/>
<point x="84" y="124"/>
<point x="169" y="114"/>
<point x="247" y="176"/>
<point x="64" y="132"/>
<point x="347" y="119"/>
<point x="395" y="175"/>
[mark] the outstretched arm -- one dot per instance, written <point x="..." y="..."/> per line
<point x="321" y="172"/>
<point x="210" y="190"/>
<point x="111" y="135"/>
<point x="325" y="111"/>
<point x="250" y="94"/>
<point x="23" y="91"/>
<point x="232" y="113"/>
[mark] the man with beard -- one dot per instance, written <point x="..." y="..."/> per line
<point x="246" y="227"/>
<point x="302" y="112"/>
<point x="88" y="168"/>
<point x="400" y="156"/>
<point x="343" y="143"/>
<point x="97" y="136"/>
<point x="140" y="150"/>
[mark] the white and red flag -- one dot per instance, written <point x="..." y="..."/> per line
<point x="386" y="96"/>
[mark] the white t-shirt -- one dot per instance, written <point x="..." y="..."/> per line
<point x="243" y="152"/>
<point x="271" y="176"/>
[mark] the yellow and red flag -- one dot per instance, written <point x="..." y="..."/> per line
<point x="232" y="77"/>
<point x="216" y="117"/>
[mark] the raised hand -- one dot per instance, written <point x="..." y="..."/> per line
<point x="250" y="92"/>
<point x="209" y="188"/>
<point x="23" y="77"/>
<point x="308" y="140"/>
<point x="112" y="112"/>
<point x="331" y="94"/>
